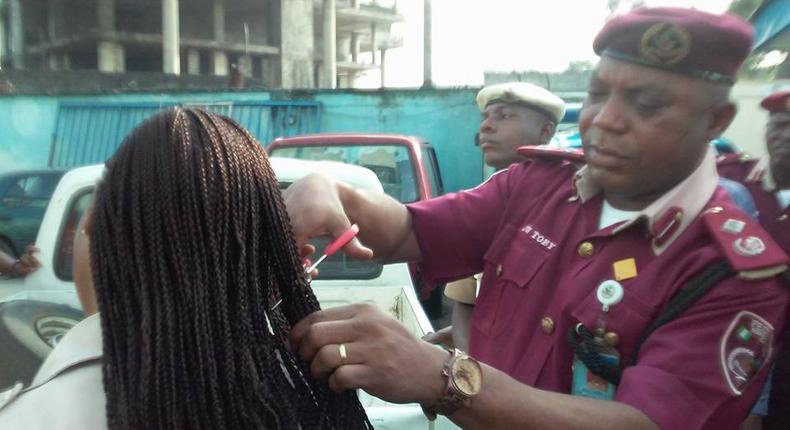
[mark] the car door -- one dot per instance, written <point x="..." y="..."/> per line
<point x="22" y="205"/>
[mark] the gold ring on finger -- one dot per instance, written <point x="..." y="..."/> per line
<point x="343" y="353"/>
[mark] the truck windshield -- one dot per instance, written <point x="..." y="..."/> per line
<point x="391" y="163"/>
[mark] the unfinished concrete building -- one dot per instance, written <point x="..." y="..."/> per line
<point x="279" y="43"/>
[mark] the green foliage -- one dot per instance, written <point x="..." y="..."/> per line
<point x="744" y="8"/>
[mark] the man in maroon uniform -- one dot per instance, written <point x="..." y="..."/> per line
<point x="637" y="258"/>
<point x="768" y="181"/>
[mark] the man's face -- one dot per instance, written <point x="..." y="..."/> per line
<point x="777" y="139"/>
<point x="506" y="126"/>
<point x="643" y="130"/>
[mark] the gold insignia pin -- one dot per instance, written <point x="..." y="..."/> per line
<point x="665" y="44"/>
<point x="624" y="269"/>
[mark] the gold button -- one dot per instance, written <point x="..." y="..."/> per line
<point x="499" y="270"/>
<point x="714" y="210"/>
<point x="611" y="338"/>
<point x="586" y="249"/>
<point x="547" y="325"/>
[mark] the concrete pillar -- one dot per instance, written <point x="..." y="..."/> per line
<point x="383" y="68"/>
<point x="171" y="58"/>
<point x="219" y="63"/>
<point x="105" y="15"/>
<point x="297" y="59"/>
<point x="3" y="52"/>
<point x="329" y="75"/>
<point x="193" y="62"/>
<point x="219" y="59"/>
<point x="355" y="47"/>
<point x="17" y="43"/>
<point x="111" y="56"/>
<point x="427" y="61"/>
<point x="218" y="14"/>
<point x="54" y="14"/>
<point x="373" y="43"/>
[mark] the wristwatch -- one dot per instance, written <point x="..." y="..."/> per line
<point x="464" y="379"/>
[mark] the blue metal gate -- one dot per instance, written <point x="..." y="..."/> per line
<point x="89" y="133"/>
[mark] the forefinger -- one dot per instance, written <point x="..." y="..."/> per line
<point x="339" y="313"/>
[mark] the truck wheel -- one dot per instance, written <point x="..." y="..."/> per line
<point x="7" y="248"/>
<point x="29" y="330"/>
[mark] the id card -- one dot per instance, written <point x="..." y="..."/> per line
<point x="588" y="384"/>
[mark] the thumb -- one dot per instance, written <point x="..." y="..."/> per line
<point x="354" y="248"/>
<point x="357" y="250"/>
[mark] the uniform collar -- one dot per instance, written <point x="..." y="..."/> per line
<point x="669" y="215"/>
<point x="761" y="172"/>
<point x="81" y="344"/>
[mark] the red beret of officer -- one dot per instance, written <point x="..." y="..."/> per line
<point x="777" y="102"/>
<point x="678" y="40"/>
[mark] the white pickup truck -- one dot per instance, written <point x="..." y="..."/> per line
<point x="35" y="314"/>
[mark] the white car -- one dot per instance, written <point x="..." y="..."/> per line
<point x="35" y="314"/>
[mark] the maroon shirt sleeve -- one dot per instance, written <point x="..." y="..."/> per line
<point x="455" y="230"/>
<point x="679" y="380"/>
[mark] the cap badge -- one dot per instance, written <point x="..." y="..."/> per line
<point x="749" y="247"/>
<point x="733" y="226"/>
<point x="665" y="44"/>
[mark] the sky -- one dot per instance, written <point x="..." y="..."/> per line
<point x="473" y="36"/>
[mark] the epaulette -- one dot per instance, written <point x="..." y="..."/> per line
<point x="552" y="153"/>
<point x="749" y="250"/>
<point x="733" y="158"/>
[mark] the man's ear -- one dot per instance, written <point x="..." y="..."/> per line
<point x="547" y="132"/>
<point x="721" y="118"/>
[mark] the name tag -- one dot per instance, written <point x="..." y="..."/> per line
<point x="588" y="384"/>
<point x="539" y="238"/>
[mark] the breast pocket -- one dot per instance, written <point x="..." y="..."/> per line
<point x="511" y="263"/>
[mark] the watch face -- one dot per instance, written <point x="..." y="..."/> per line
<point x="467" y="376"/>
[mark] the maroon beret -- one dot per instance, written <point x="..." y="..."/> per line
<point x="679" y="40"/>
<point x="777" y="102"/>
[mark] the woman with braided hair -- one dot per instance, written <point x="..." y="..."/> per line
<point x="198" y="281"/>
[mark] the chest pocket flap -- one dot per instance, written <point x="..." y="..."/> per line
<point x="511" y="263"/>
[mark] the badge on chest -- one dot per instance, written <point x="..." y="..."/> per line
<point x="595" y="350"/>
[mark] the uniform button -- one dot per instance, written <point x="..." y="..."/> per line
<point x="547" y="325"/>
<point x="611" y="338"/>
<point x="782" y="218"/>
<point x="586" y="249"/>
<point x="499" y="270"/>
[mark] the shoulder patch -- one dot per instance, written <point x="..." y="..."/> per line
<point x="745" y="348"/>
<point x="8" y="396"/>
<point x="551" y="153"/>
<point x="749" y="250"/>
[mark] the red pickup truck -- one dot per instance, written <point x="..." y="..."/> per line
<point x="405" y="165"/>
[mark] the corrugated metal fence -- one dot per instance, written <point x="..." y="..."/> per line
<point x="89" y="133"/>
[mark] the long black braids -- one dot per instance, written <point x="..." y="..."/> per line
<point x="192" y="251"/>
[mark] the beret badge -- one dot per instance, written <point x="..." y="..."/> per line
<point x="665" y="44"/>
